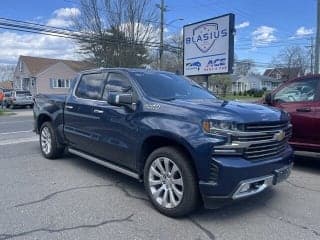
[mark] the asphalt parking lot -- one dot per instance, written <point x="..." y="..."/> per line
<point x="72" y="198"/>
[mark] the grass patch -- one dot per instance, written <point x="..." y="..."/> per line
<point x="4" y="112"/>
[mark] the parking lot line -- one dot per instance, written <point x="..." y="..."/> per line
<point x="20" y="140"/>
<point x="8" y="133"/>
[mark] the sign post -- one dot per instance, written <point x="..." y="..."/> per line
<point x="209" y="46"/>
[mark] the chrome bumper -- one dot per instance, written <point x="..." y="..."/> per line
<point x="254" y="186"/>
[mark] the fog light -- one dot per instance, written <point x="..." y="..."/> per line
<point x="244" y="188"/>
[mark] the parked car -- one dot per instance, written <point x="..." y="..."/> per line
<point x="167" y="131"/>
<point x="19" y="98"/>
<point x="300" y="97"/>
<point x="7" y="96"/>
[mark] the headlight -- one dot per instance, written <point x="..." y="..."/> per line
<point x="219" y="126"/>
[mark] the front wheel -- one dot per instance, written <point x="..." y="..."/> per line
<point x="48" y="142"/>
<point x="170" y="182"/>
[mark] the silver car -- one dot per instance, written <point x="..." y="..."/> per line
<point x="19" y="98"/>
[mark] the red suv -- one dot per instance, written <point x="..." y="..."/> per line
<point x="301" y="98"/>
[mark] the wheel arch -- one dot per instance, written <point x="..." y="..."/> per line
<point x="154" y="142"/>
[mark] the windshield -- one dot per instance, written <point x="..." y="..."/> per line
<point x="168" y="86"/>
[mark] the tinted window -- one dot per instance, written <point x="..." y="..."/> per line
<point x="299" y="91"/>
<point x="91" y="86"/>
<point x="117" y="83"/>
<point x="167" y="86"/>
<point x="23" y="93"/>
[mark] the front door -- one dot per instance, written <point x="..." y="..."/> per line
<point x="298" y="98"/>
<point x="117" y="128"/>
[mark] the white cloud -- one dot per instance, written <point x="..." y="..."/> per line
<point x="62" y="17"/>
<point x="66" y="12"/>
<point x="302" y="32"/>
<point x="14" y="44"/>
<point x="243" y="25"/>
<point x="263" y="35"/>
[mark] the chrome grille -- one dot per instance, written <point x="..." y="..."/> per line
<point x="271" y="126"/>
<point x="263" y="150"/>
<point x="269" y="146"/>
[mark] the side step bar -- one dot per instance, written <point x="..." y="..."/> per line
<point x="104" y="163"/>
<point x="307" y="154"/>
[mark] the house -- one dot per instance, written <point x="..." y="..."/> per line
<point x="6" y="85"/>
<point x="46" y="75"/>
<point x="253" y="81"/>
<point x="284" y="74"/>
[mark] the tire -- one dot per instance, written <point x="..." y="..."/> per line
<point x="174" y="194"/>
<point x="48" y="142"/>
<point x="11" y="106"/>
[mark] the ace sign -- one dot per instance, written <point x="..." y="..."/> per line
<point x="209" y="46"/>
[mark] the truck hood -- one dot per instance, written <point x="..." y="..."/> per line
<point x="231" y="110"/>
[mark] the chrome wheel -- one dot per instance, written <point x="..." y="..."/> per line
<point x="45" y="140"/>
<point x="165" y="182"/>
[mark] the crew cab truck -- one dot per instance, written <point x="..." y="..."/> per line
<point x="187" y="146"/>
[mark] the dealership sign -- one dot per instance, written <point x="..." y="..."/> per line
<point x="208" y="46"/>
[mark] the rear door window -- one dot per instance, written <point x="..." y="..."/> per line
<point x="23" y="94"/>
<point x="91" y="86"/>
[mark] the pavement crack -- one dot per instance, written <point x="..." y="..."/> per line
<point x="287" y="221"/>
<point x="58" y="192"/>
<point x="128" y="194"/>
<point x="302" y="187"/>
<point x="207" y="232"/>
<point x="49" y="230"/>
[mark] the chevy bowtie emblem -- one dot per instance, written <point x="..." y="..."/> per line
<point x="279" y="136"/>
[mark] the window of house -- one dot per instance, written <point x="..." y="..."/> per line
<point x="60" y="83"/>
<point x="91" y="86"/>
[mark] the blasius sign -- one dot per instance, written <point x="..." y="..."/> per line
<point x="208" y="46"/>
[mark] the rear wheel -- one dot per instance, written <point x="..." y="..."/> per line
<point x="170" y="182"/>
<point x="48" y="142"/>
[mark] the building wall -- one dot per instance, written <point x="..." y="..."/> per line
<point x="57" y="71"/>
<point x="21" y="72"/>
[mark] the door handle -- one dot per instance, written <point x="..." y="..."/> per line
<point x="69" y="107"/>
<point x="305" y="109"/>
<point x="97" y="111"/>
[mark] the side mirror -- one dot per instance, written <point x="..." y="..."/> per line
<point x="268" y="99"/>
<point x="120" y="99"/>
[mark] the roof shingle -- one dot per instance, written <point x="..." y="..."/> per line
<point x="37" y="65"/>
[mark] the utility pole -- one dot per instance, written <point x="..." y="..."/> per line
<point x="163" y="8"/>
<point x="317" y="51"/>
<point x="311" y="46"/>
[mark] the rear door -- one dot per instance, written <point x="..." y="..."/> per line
<point x="79" y="117"/>
<point x="299" y="98"/>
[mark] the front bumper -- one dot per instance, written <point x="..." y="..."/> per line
<point x="239" y="178"/>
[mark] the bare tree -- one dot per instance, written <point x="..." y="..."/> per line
<point x="243" y="67"/>
<point x="120" y="31"/>
<point x="293" y="58"/>
<point x="221" y="83"/>
<point x="173" y="54"/>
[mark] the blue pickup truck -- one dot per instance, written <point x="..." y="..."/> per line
<point x="187" y="146"/>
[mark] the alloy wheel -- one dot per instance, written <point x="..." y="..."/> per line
<point x="165" y="182"/>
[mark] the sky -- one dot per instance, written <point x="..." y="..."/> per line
<point x="263" y="27"/>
